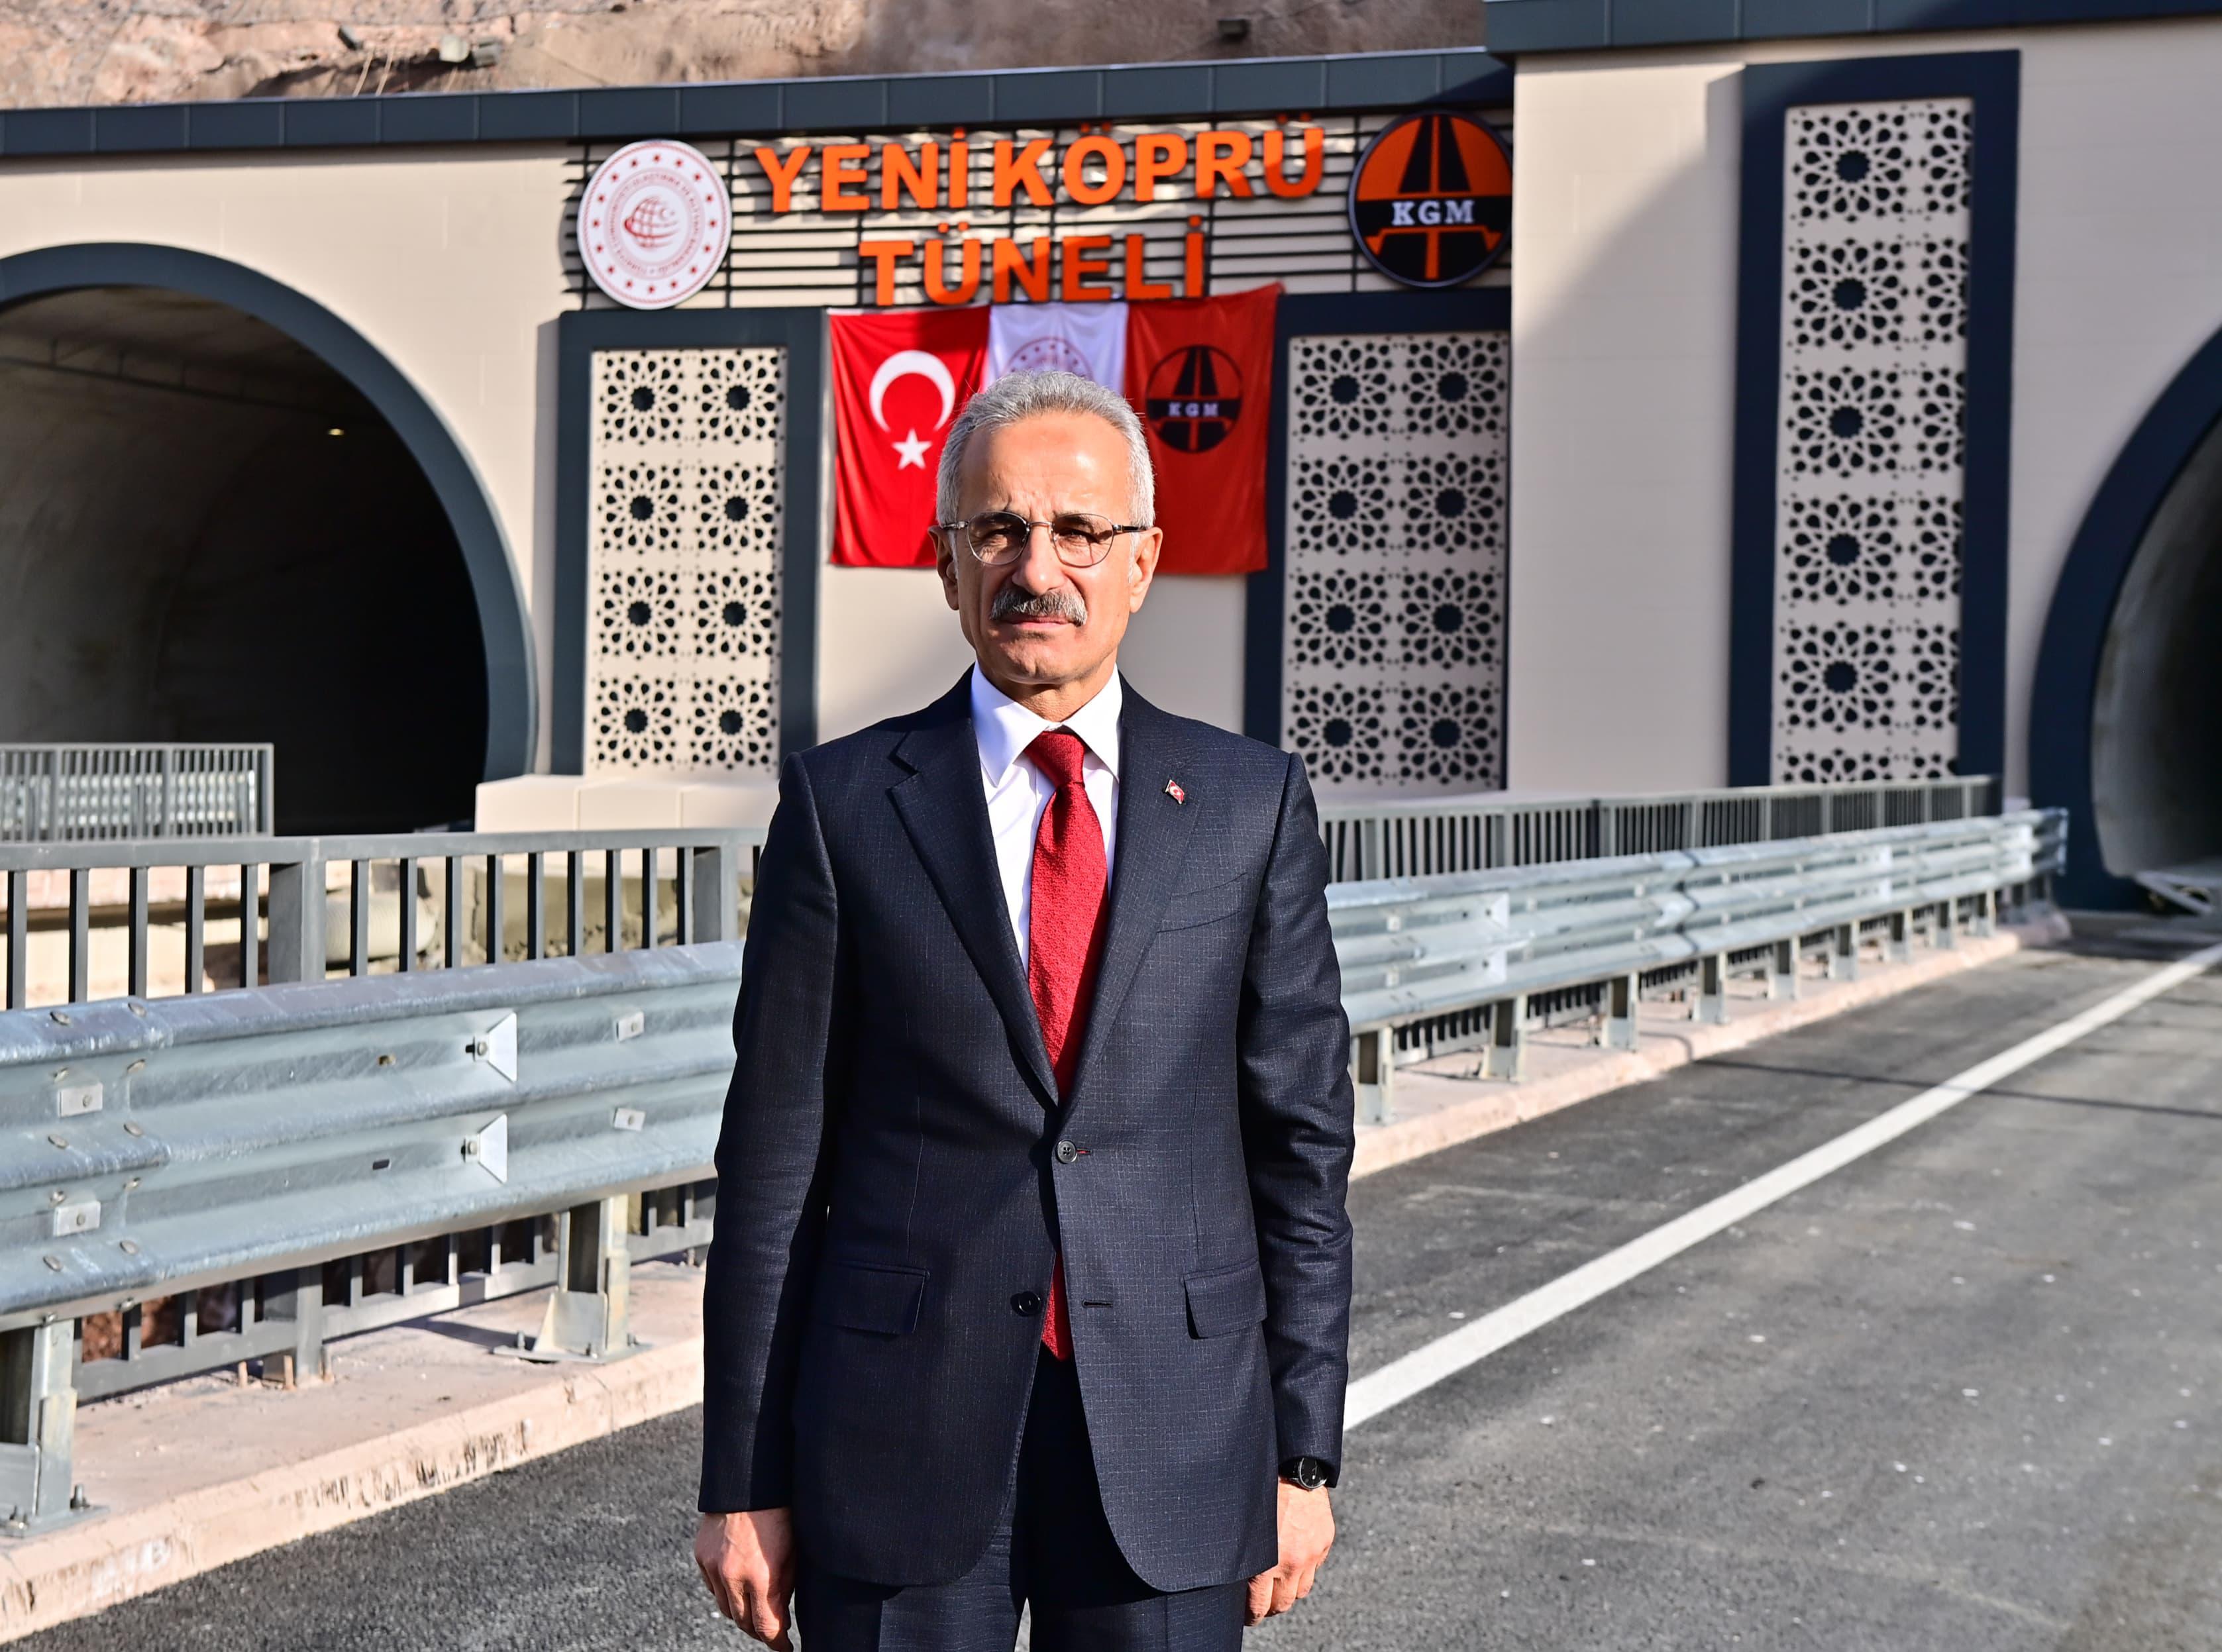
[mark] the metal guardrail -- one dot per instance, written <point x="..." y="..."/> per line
<point x="1475" y="832"/>
<point x="154" y="1149"/>
<point x="293" y="908"/>
<point x="54" y="793"/>
<point x="1435" y="964"/>
<point x="268" y="1168"/>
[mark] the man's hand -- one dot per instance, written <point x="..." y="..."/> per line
<point x="1307" y="1534"/>
<point x="748" y="1560"/>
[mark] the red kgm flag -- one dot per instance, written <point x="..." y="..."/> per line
<point x="899" y="377"/>
<point x="1200" y="370"/>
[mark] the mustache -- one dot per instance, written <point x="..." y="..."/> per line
<point x="1062" y="603"/>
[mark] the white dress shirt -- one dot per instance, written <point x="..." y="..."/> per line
<point x="1017" y="792"/>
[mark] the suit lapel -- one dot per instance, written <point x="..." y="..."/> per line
<point x="1153" y="833"/>
<point x="944" y="806"/>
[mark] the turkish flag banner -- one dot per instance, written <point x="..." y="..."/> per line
<point x="1201" y="372"/>
<point x="900" y="377"/>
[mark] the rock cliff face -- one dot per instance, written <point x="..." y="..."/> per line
<point x="67" y="52"/>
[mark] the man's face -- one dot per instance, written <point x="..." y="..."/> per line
<point x="1035" y="622"/>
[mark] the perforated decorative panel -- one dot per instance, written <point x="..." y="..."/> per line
<point x="1393" y="634"/>
<point x="683" y="555"/>
<point x="1872" y="445"/>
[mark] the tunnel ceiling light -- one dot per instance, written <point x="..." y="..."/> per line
<point x="336" y="431"/>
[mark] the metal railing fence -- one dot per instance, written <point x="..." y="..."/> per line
<point x="1477" y="832"/>
<point x="198" y="1181"/>
<point x="1432" y="965"/>
<point x="77" y="794"/>
<point x="260" y="1148"/>
<point x="295" y="909"/>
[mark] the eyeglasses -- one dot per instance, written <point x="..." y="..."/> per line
<point x="1082" y="539"/>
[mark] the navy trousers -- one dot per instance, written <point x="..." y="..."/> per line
<point x="1051" y="1550"/>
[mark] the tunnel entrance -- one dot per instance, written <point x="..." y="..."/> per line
<point x="208" y="533"/>
<point x="2157" y="705"/>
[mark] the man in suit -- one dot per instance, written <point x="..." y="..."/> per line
<point x="1032" y="1276"/>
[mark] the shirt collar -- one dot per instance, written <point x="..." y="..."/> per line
<point x="1005" y="729"/>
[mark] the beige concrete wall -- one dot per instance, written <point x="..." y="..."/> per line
<point x="1623" y="349"/>
<point x="1623" y="409"/>
<point x="448" y="261"/>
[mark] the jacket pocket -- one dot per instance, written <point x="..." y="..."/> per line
<point x="1206" y="906"/>
<point x="871" y="1296"/>
<point x="1226" y="1300"/>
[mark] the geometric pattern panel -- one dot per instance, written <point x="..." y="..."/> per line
<point x="1392" y="646"/>
<point x="683" y="561"/>
<point x="1871" y="448"/>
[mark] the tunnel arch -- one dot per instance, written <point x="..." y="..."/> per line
<point x="505" y="628"/>
<point x="2126" y="581"/>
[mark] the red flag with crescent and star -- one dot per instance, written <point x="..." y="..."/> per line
<point x="898" y="378"/>
<point x="1200" y="372"/>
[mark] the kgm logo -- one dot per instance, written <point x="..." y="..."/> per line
<point x="1194" y="397"/>
<point x="1431" y="199"/>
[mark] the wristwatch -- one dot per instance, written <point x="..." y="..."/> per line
<point x="1309" y="1473"/>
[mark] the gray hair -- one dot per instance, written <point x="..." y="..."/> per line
<point x="1017" y="396"/>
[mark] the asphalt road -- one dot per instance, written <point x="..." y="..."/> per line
<point x="1959" y="1396"/>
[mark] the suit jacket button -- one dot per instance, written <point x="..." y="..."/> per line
<point x="1066" y="1153"/>
<point x="1027" y="1302"/>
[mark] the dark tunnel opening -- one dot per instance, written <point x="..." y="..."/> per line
<point x="206" y="533"/>
<point x="2156" y="710"/>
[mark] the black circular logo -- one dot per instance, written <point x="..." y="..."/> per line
<point x="1431" y="199"/>
<point x="1194" y="397"/>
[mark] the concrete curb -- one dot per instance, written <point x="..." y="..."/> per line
<point x="82" y="1569"/>
<point x="114" y="1556"/>
<point x="1665" y="1046"/>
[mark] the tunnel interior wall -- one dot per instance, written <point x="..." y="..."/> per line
<point x="181" y="566"/>
<point x="2156" y="765"/>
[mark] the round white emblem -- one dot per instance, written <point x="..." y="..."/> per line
<point x="655" y="224"/>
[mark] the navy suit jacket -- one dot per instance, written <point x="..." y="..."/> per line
<point x="891" y="1194"/>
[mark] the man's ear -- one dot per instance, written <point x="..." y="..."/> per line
<point x="1142" y="567"/>
<point x="945" y="564"/>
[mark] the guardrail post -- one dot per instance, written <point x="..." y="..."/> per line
<point x="716" y="880"/>
<point x="1623" y="995"/>
<point x="1899" y="947"/>
<point x="588" y="1311"/>
<point x="302" y="1303"/>
<point x="1844" y="953"/>
<point x="38" y="1423"/>
<point x="296" y="920"/>
<point x="1986" y="914"/>
<point x="1712" y="1005"/>
<point x="1944" y="933"/>
<point x="1508" y="1038"/>
<point x="1373" y="1073"/>
<point x="1782" y="970"/>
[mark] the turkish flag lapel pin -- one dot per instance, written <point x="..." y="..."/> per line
<point x="1173" y="790"/>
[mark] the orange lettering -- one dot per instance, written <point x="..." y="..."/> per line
<point x="1138" y="284"/>
<point x="1192" y="281"/>
<point x="1024" y="171"/>
<point x="1074" y="267"/>
<point x="898" y="172"/>
<point x="960" y="172"/>
<point x="1219" y="157"/>
<point x="937" y="273"/>
<point x="1276" y="179"/>
<point x="1157" y="156"/>
<point x="1031" y="266"/>
<point x="1076" y="171"/>
<point x="783" y="177"/>
<point x="885" y="253"/>
<point x="841" y="176"/>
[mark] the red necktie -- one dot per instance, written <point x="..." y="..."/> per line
<point x="1065" y="939"/>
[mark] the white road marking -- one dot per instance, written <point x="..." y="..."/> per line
<point x="1423" y="1368"/>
